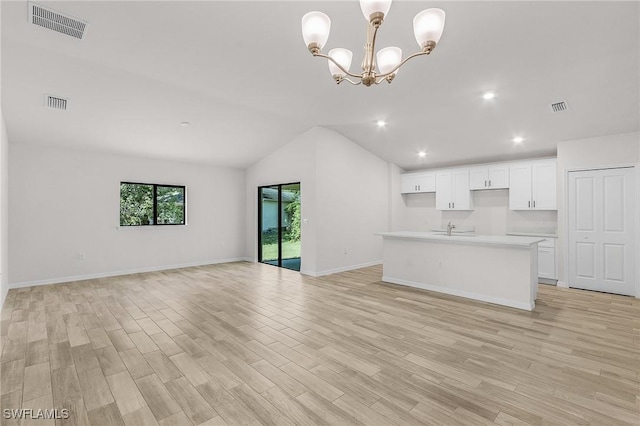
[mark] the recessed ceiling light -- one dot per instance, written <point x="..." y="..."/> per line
<point x="489" y="95"/>
<point x="381" y="123"/>
<point x="185" y="124"/>
<point x="518" y="139"/>
<point x="422" y="154"/>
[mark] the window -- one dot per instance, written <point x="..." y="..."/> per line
<point x="151" y="204"/>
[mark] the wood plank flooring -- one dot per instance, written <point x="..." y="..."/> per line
<point x="251" y="344"/>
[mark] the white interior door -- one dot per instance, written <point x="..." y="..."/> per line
<point x="602" y="230"/>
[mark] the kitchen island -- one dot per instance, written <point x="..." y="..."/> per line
<point x="495" y="269"/>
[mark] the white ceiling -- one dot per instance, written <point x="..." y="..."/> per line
<point x="240" y="73"/>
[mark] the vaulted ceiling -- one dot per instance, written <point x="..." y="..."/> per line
<point x="240" y="73"/>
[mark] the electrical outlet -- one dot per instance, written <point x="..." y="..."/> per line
<point x="80" y="256"/>
<point x="440" y="264"/>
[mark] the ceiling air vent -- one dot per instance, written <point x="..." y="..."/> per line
<point x="47" y="18"/>
<point x="559" y="106"/>
<point x="55" y="102"/>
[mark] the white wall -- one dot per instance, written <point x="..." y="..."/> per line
<point x="344" y="199"/>
<point x="600" y="152"/>
<point x="65" y="202"/>
<point x="352" y="203"/>
<point x="4" y="211"/>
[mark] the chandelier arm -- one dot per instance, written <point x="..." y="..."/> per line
<point x="404" y="62"/>
<point x="352" y="82"/>
<point x="322" y="55"/>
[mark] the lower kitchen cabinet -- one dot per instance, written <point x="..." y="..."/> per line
<point x="547" y="259"/>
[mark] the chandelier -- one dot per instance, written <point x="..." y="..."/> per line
<point x="427" y="27"/>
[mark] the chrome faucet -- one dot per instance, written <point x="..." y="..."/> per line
<point x="449" y="228"/>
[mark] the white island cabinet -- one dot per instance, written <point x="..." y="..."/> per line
<point x="496" y="269"/>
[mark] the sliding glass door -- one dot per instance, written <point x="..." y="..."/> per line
<point x="279" y="225"/>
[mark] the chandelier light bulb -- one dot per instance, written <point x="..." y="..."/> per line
<point x="341" y="56"/>
<point x="428" y="26"/>
<point x="389" y="58"/>
<point x="374" y="7"/>
<point x="315" y="29"/>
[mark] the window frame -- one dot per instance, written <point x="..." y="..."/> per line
<point x="155" y="203"/>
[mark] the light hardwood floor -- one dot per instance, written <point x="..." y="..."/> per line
<point x="249" y="344"/>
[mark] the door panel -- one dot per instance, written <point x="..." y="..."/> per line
<point x="586" y="260"/>
<point x="601" y="230"/>
<point x="279" y="233"/>
<point x="461" y="198"/>
<point x="478" y="178"/>
<point x="586" y="197"/>
<point x="443" y="191"/>
<point x="544" y="185"/>
<point x="613" y="203"/>
<point x="498" y="177"/>
<point x="614" y="262"/>
<point x="520" y="187"/>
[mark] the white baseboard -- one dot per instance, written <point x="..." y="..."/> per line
<point x="126" y="272"/>
<point x="547" y="281"/>
<point x="461" y="293"/>
<point x="342" y="269"/>
<point x="562" y="284"/>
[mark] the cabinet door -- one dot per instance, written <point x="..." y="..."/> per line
<point x="546" y="263"/>
<point x="478" y="178"/>
<point x="520" y="186"/>
<point x="461" y="196"/>
<point x="443" y="191"/>
<point x="409" y="184"/>
<point x="427" y="182"/>
<point x="498" y="177"/>
<point x="544" y="185"/>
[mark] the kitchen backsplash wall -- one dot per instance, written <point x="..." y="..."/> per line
<point x="491" y="215"/>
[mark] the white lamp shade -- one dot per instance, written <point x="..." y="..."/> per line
<point x="388" y="58"/>
<point x="341" y="56"/>
<point x="315" y="28"/>
<point x="428" y="26"/>
<point x="372" y="6"/>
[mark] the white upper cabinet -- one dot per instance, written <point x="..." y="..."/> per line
<point x="544" y="185"/>
<point x="452" y="190"/>
<point x="489" y="177"/>
<point x="418" y="182"/>
<point x="532" y="185"/>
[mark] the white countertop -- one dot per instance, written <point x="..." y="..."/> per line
<point x="532" y="234"/>
<point x="544" y="232"/>
<point x="507" y="240"/>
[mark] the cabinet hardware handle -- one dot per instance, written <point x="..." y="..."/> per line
<point x="485" y="183"/>
<point x="453" y="205"/>
<point x="489" y="182"/>
<point x="534" y="204"/>
<point x="418" y="187"/>
<point x="449" y="205"/>
<point x="529" y="204"/>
